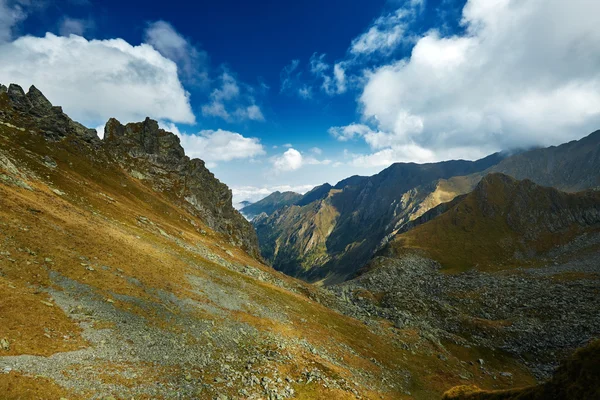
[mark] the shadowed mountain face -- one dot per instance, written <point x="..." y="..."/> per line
<point x="334" y="234"/>
<point x="332" y="231"/>
<point x="269" y="204"/>
<point x="570" y="167"/>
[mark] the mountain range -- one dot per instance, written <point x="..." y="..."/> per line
<point x="126" y="272"/>
<point x="329" y="235"/>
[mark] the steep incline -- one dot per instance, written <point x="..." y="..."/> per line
<point x="575" y="379"/>
<point x="138" y="147"/>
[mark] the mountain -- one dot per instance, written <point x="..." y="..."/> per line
<point x="502" y="222"/>
<point x="269" y="204"/>
<point x="570" y="167"/>
<point x="332" y="235"/>
<point x="126" y="273"/>
<point x="332" y="231"/>
<point x="511" y="266"/>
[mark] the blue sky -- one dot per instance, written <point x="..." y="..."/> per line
<point x="291" y="94"/>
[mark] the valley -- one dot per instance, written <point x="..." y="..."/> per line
<point x="125" y="272"/>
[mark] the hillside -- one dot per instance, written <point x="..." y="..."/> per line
<point x="503" y="222"/>
<point x="330" y="233"/>
<point x="126" y="273"/>
<point x="269" y="204"/>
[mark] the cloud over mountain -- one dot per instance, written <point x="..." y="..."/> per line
<point x="98" y="79"/>
<point x="523" y="73"/>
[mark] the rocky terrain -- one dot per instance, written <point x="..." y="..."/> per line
<point x="126" y="273"/>
<point x="512" y="266"/>
<point x="269" y="204"/>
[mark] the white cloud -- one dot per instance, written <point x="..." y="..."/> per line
<point x="97" y="79"/>
<point x="349" y="132"/>
<point x="232" y="101"/>
<point x="289" y="161"/>
<point x="292" y="160"/>
<point x="11" y="14"/>
<point x="524" y="73"/>
<point x="192" y="62"/>
<point x="340" y="77"/>
<point x="100" y="131"/>
<point x="332" y="84"/>
<point x="288" y="76"/>
<point x="316" y="150"/>
<point x="388" y="31"/>
<point x="217" y="146"/>
<point x="305" y="92"/>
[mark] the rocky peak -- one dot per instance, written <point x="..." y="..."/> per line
<point x="49" y="119"/>
<point x="39" y="103"/>
<point x="158" y="156"/>
<point x="145" y="139"/>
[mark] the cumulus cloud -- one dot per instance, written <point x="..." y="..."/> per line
<point x="192" y="62"/>
<point x="288" y="161"/>
<point x="232" y="101"/>
<point x="292" y="160"/>
<point x="524" y="73"/>
<point x="219" y="145"/>
<point x="97" y="79"/>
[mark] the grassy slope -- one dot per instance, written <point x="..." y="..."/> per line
<point x="477" y="233"/>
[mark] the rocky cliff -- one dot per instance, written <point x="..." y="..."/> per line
<point x="146" y="152"/>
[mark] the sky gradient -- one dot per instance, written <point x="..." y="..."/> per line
<point x="286" y="95"/>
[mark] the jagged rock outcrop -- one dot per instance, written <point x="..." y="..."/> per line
<point x="35" y="111"/>
<point x="146" y="152"/>
<point x="143" y="146"/>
